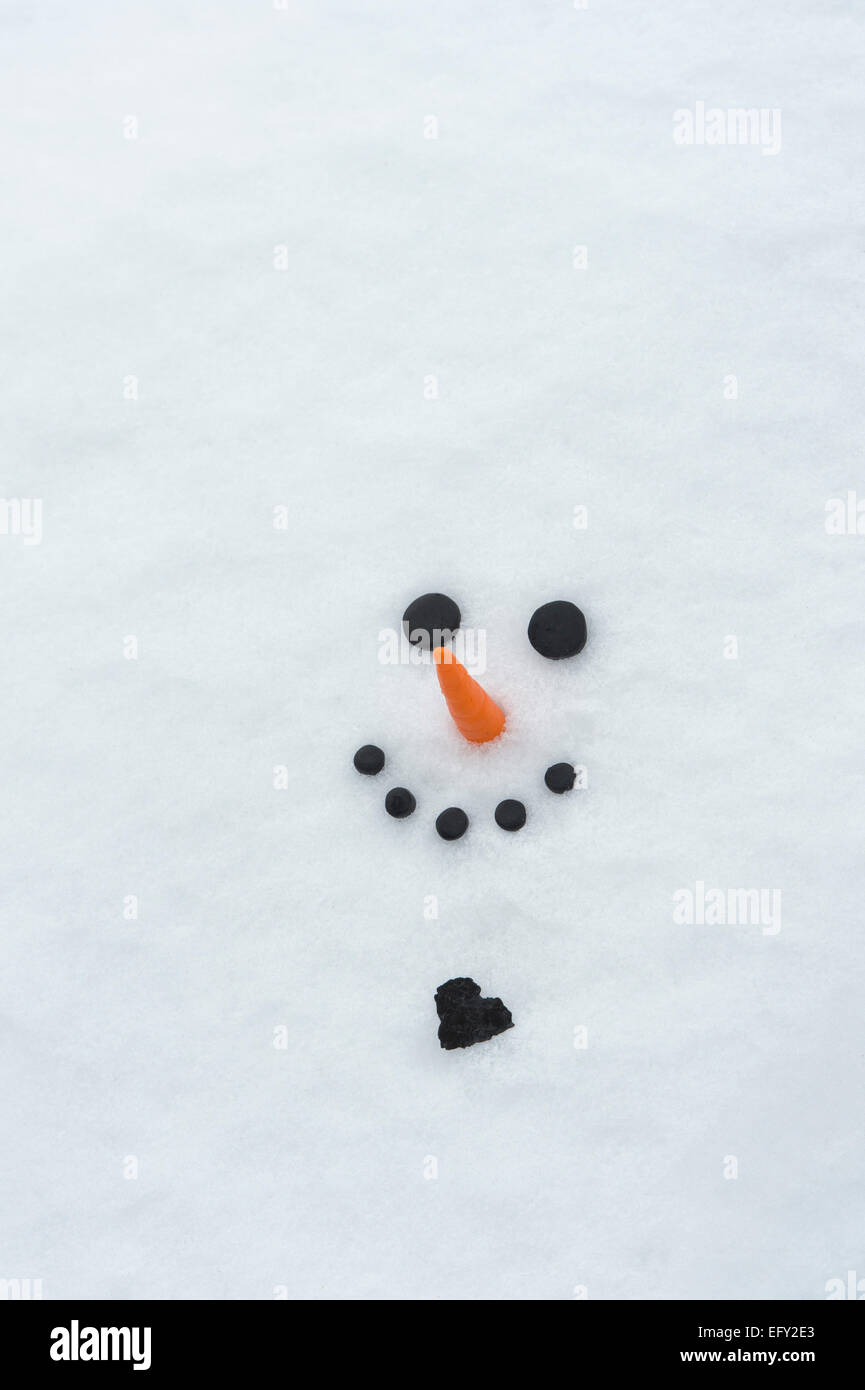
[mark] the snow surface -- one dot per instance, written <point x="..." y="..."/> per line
<point x="306" y="1169"/>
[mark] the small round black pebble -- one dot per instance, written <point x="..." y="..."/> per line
<point x="511" y="815"/>
<point x="431" y="620"/>
<point x="452" y="823"/>
<point x="557" y="629"/>
<point x="369" y="759"/>
<point x="560" y="777"/>
<point x="399" y="802"/>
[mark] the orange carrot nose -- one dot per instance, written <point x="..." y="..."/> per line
<point x="477" y="717"/>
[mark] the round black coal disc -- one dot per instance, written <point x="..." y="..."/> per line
<point x="560" y="777"/>
<point x="452" y="823"/>
<point x="511" y="815"/>
<point x="369" y="759"/>
<point x="399" y="802"/>
<point x="431" y="620"/>
<point x="557" y="629"/>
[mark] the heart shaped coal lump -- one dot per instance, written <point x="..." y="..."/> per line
<point x="465" y="1017"/>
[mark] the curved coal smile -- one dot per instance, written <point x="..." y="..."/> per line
<point x="556" y="630"/>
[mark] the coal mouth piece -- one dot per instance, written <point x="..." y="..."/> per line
<point x="466" y="1018"/>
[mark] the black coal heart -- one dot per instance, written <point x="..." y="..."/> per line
<point x="465" y="1017"/>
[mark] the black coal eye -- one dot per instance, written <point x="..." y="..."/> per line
<point x="557" y="629"/>
<point x="431" y="620"/>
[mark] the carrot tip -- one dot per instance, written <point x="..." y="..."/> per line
<point x="443" y="656"/>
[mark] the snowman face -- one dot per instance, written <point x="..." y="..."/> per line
<point x="487" y="738"/>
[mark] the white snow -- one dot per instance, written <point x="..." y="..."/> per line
<point x="305" y="1169"/>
